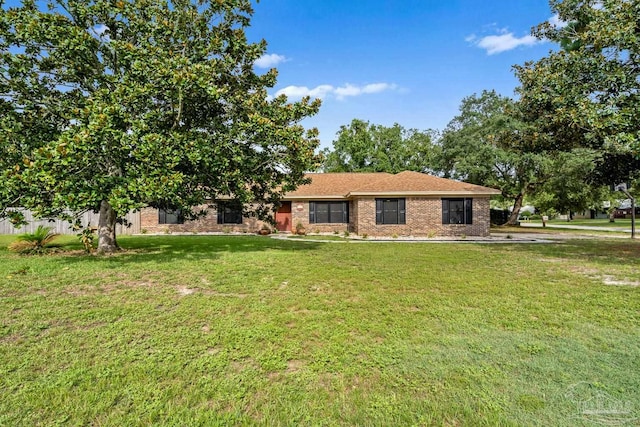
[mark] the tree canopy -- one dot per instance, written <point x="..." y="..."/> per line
<point x="113" y="105"/>
<point x="587" y="94"/>
<point x="365" y="147"/>
<point x="481" y="146"/>
<point x="488" y="144"/>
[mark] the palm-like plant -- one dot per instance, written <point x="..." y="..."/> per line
<point x="34" y="243"/>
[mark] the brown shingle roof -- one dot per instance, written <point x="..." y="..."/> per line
<point x="344" y="185"/>
<point x="416" y="182"/>
<point x="336" y="185"/>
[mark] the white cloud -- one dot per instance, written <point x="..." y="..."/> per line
<point x="351" y="90"/>
<point x="300" y="91"/>
<point x="556" y="22"/>
<point x="341" y="92"/>
<point x="269" y="60"/>
<point x="505" y="42"/>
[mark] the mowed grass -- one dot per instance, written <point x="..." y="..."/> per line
<point x="247" y="330"/>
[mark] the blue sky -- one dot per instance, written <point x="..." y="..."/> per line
<point x="395" y="61"/>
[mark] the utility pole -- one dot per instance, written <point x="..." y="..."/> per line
<point x="623" y="188"/>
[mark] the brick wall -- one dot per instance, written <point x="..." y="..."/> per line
<point x="423" y="218"/>
<point x="209" y="223"/>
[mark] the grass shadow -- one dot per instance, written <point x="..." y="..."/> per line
<point x="188" y="247"/>
<point x="164" y="249"/>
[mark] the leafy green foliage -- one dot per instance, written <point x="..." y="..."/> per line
<point x="363" y="147"/>
<point x="489" y="143"/>
<point x="111" y="106"/>
<point x="586" y="94"/>
<point x="569" y="188"/>
<point x="34" y="243"/>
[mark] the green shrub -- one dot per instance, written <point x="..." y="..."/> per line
<point x="34" y="243"/>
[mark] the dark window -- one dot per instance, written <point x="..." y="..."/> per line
<point x="229" y="213"/>
<point x="170" y="216"/>
<point x="390" y="211"/>
<point x="457" y="211"/>
<point x="328" y="212"/>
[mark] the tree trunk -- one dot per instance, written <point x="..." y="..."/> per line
<point x="612" y="215"/>
<point x="517" y="205"/>
<point x="107" y="229"/>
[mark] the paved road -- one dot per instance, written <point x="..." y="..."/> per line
<point x="576" y="227"/>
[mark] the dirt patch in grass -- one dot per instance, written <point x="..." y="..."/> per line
<point x="183" y="290"/>
<point x="294" y="365"/>
<point x="586" y="271"/>
<point x="607" y="279"/>
<point x="612" y="281"/>
<point x="238" y="366"/>
<point x="213" y="350"/>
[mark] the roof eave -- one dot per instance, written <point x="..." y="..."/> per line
<point x="315" y="197"/>
<point x="488" y="192"/>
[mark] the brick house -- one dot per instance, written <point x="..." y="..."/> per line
<point x="375" y="204"/>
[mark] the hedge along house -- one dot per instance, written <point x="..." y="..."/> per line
<point x="375" y="204"/>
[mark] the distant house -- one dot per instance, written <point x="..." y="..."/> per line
<point x="375" y="204"/>
<point x="624" y="209"/>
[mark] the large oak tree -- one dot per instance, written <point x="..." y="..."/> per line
<point x="481" y="145"/>
<point x="489" y="144"/>
<point x="113" y="105"/>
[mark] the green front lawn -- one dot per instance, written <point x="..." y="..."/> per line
<point x="245" y="330"/>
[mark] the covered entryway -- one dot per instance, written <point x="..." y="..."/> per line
<point x="283" y="217"/>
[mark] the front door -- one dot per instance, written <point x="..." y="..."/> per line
<point x="283" y="217"/>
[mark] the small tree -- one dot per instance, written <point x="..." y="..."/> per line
<point x="110" y="106"/>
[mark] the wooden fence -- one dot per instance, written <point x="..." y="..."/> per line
<point x="63" y="227"/>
